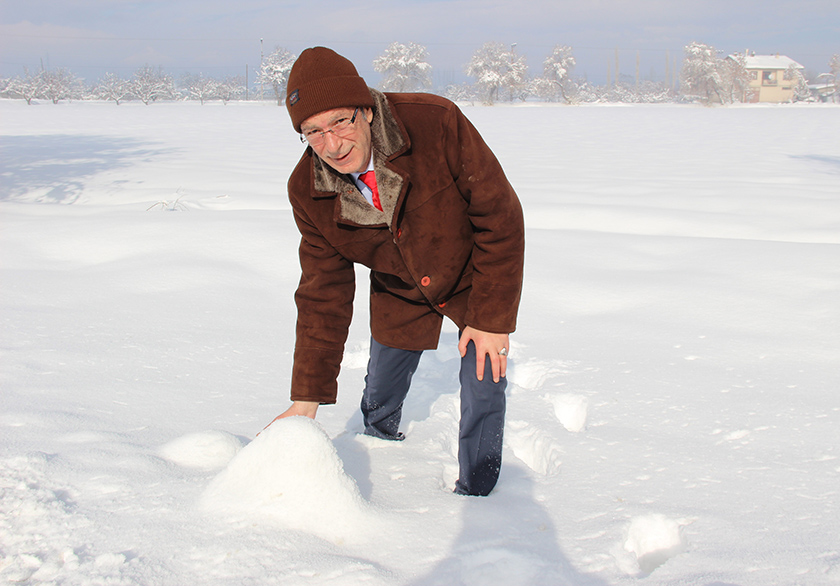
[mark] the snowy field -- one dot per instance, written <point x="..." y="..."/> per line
<point x="674" y="396"/>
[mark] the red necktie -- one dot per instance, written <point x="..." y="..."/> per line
<point x="369" y="179"/>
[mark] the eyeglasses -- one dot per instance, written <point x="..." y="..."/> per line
<point x="342" y="127"/>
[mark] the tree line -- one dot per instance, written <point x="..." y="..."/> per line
<point x="498" y="71"/>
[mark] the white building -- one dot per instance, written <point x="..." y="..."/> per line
<point x="770" y="78"/>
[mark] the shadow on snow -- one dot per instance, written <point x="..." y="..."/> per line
<point x="55" y="166"/>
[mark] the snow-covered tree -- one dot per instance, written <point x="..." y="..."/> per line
<point x="150" y="85"/>
<point x="404" y="68"/>
<point x="60" y="84"/>
<point x="556" y="82"/>
<point x="113" y="88"/>
<point x="647" y="92"/>
<point x="274" y="71"/>
<point x="700" y="74"/>
<point x="29" y="87"/>
<point x="834" y="67"/>
<point x="495" y="67"/>
<point x="5" y="83"/>
<point x="542" y="89"/>
<point x="801" y="92"/>
<point x="464" y="92"/>
<point x="201" y="88"/>
<point x="231" y="88"/>
<point x="734" y="77"/>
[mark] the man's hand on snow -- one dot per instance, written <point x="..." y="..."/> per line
<point x="304" y="408"/>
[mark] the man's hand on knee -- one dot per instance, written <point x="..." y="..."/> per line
<point x="486" y="344"/>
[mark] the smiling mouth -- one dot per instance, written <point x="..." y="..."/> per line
<point x="342" y="158"/>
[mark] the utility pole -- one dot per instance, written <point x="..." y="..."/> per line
<point x="616" y="67"/>
<point x="674" y="73"/>
<point x="638" y="61"/>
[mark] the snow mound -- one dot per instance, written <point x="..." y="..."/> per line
<point x="652" y="540"/>
<point x="291" y="474"/>
<point x="207" y="450"/>
<point x="571" y="410"/>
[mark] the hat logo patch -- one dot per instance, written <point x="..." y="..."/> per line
<point x="294" y="97"/>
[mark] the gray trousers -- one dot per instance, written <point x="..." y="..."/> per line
<point x="482" y="412"/>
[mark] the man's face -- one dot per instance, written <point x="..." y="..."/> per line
<point x="346" y="154"/>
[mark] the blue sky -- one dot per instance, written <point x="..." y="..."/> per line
<point x="220" y="38"/>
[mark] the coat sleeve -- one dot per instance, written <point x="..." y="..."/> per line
<point x="496" y="217"/>
<point x="324" y="300"/>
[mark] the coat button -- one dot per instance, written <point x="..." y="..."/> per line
<point x="399" y="232"/>
<point x="425" y="281"/>
<point x="442" y="304"/>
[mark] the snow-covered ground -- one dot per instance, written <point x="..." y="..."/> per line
<point x="674" y="397"/>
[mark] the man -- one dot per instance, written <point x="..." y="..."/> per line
<point x="440" y="228"/>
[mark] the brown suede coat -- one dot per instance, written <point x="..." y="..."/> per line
<point x="450" y="241"/>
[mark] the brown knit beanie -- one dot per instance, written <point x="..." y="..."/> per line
<point x="321" y="80"/>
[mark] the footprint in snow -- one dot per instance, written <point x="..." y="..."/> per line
<point x="650" y="541"/>
<point x="533" y="373"/>
<point x="536" y="448"/>
<point x="356" y="356"/>
<point x="571" y="410"/>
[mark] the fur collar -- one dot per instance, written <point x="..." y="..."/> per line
<point x="388" y="141"/>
